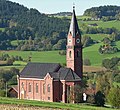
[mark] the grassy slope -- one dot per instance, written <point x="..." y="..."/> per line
<point x="97" y="37"/>
<point x="90" y="52"/>
<point x="108" y="24"/>
<point x="94" y="56"/>
<point x="50" y="105"/>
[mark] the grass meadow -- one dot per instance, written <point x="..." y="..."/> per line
<point x="98" y="37"/>
<point x="2" y="29"/>
<point x="90" y="52"/>
<point x="52" y="105"/>
<point x="108" y="24"/>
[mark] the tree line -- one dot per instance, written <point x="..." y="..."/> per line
<point x="108" y="12"/>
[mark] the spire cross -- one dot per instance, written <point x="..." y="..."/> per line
<point x="73" y="6"/>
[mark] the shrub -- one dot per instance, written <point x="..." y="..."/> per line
<point x="87" y="62"/>
<point x="2" y="93"/>
<point x="99" y="99"/>
<point x="114" y="97"/>
<point x="91" y="99"/>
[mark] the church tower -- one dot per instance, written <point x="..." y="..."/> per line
<point x="74" y="47"/>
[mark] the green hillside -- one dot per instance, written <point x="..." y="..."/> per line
<point x="95" y="57"/>
<point x="107" y="24"/>
<point x="97" y="37"/>
<point x="90" y="52"/>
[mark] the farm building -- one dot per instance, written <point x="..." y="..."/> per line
<point x="50" y="81"/>
<point x="13" y="91"/>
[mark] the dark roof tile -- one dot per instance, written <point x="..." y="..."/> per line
<point x="68" y="74"/>
<point x="39" y="70"/>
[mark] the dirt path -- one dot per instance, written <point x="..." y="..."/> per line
<point x="16" y="107"/>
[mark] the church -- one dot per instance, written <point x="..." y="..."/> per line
<point x="50" y="81"/>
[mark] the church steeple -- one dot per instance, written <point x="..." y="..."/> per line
<point x="74" y="29"/>
<point x="74" y="47"/>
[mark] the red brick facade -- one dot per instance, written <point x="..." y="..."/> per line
<point x="48" y="89"/>
<point x="54" y="86"/>
<point x="74" y="47"/>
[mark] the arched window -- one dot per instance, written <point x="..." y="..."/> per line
<point x="43" y="88"/>
<point x="78" y="53"/>
<point x="36" y="87"/>
<point x="29" y="87"/>
<point x="70" y="54"/>
<point x="48" y="87"/>
<point x="22" y="85"/>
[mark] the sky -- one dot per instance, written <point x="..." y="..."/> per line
<point x="55" y="6"/>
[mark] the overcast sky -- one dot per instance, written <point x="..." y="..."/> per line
<point x="54" y="6"/>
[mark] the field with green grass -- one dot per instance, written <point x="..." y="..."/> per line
<point x="95" y="57"/>
<point x="2" y="29"/>
<point x="43" y="57"/>
<point x="108" y="24"/>
<point x="98" y="37"/>
<point x="52" y="105"/>
<point x="90" y="52"/>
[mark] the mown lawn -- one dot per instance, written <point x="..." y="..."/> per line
<point x="50" y="104"/>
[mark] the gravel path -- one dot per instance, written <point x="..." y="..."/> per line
<point x="16" y="107"/>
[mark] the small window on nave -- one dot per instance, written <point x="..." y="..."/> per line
<point x="29" y="87"/>
<point x="36" y="87"/>
<point x="43" y="88"/>
<point x="22" y="85"/>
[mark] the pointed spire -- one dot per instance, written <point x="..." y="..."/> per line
<point x="74" y="29"/>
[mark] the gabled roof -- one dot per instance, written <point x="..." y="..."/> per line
<point x="74" y="29"/>
<point x="15" y="87"/>
<point x="39" y="70"/>
<point x="68" y="74"/>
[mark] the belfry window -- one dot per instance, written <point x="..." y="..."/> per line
<point x="78" y="53"/>
<point x="70" y="54"/>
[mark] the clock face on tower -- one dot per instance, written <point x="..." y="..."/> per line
<point x="69" y="41"/>
<point x="78" y="40"/>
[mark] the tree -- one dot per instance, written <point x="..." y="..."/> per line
<point x="104" y="83"/>
<point x="99" y="99"/>
<point x="75" y="94"/>
<point x="114" y="97"/>
<point x="111" y="63"/>
<point x="87" y="41"/>
<point x="91" y="99"/>
<point x="87" y="62"/>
